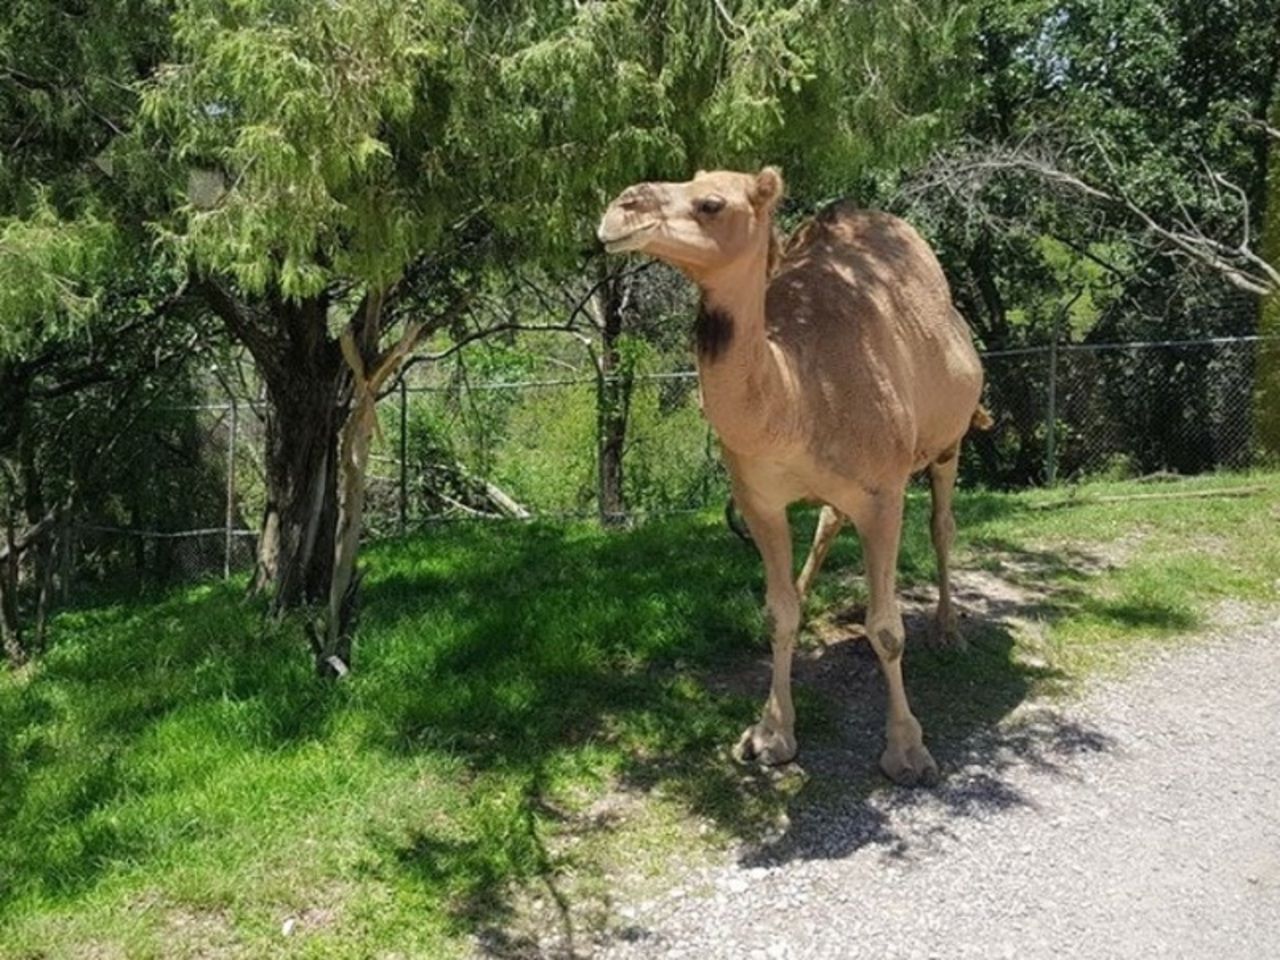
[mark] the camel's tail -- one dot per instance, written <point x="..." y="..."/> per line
<point x="982" y="419"/>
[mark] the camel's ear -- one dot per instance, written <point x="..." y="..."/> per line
<point x="768" y="189"/>
<point x="699" y="174"/>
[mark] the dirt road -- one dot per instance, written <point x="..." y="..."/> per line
<point x="1140" y="821"/>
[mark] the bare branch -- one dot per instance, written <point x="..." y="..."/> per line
<point x="1238" y="264"/>
<point x="729" y="21"/>
<point x="489" y="331"/>
<point x="1258" y="123"/>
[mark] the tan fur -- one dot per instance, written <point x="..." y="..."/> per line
<point x="836" y="377"/>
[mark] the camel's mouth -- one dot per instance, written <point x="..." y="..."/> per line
<point x="633" y="240"/>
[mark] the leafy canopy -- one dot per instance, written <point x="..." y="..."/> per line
<point x="307" y="134"/>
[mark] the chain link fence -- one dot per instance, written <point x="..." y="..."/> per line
<point x="1119" y="410"/>
<point x="450" y="449"/>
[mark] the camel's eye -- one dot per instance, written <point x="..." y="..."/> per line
<point x="709" y="206"/>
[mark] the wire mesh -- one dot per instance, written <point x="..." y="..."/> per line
<point x="453" y="450"/>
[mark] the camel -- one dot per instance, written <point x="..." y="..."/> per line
<point x="832" y="370"/>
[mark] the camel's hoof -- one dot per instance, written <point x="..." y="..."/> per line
<point x="912" y="767"/>
<point x="762" y="744"/>
<point x="946" y="633"/>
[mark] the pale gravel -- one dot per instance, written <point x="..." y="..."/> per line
<point x="1141" y="820"/>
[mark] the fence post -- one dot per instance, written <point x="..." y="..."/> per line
<point x="404" y="457"/>
<point x="1051" y="413"/>
<point x="231" y="489"/>
<point x="65" y="558"/>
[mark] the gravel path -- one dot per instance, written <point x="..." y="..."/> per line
<point x="1141" y="821"/>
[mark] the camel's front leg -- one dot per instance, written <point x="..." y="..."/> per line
<point x="773" y="739"/>
<point x="905" y="759"/>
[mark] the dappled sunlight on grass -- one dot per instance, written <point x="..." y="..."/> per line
<point x="176" y="758"/>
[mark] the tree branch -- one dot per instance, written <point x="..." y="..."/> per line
<point x="238" y="320"/>
<point x="1238" y="264"/>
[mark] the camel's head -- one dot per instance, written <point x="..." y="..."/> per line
<point x="699" y="226"/>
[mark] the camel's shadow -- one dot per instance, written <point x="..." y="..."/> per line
<point x="964" y="697"/>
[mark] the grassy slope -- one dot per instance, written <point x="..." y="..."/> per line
<point x="173" y="782"/>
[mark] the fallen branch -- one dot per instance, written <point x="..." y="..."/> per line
<point x="505" y="502"/>
<point x="469" y="511"/>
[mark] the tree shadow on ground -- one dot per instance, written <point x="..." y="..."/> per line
<point x="519" y="652"/>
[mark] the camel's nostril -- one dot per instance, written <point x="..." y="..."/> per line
<point x="638" y="197"/>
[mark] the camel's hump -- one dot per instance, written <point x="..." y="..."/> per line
<point x="871" y="257"/>
<point x="845" y="223"/>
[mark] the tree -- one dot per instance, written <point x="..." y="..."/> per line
<point x="322" y="172"/>
<point x="306" y="137"/>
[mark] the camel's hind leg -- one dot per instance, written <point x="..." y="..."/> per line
<point x="942" y="480"/>
<point x="773" y="739"/>
<point x="829" y="523"/>
<point x="879" y="521"/>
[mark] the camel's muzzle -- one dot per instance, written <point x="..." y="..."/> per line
<point x="632" y="218"/>
<point x="623" y="242"/>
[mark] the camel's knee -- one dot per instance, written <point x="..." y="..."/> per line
<point x="888" y="644"/>
<point x="888" y="637"/>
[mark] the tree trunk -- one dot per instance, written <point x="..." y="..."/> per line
<point x="295" y="546"/>
<point x="14" y="383"/>
<point x="370" y="372"/>
<point x="42" y="546"/>
<point x="10" y="624"/>
<point x="307" y="394"/>
<point x="1268" y="392"/>
<point x="334" y="658"/>
<point x="614" y="382"/>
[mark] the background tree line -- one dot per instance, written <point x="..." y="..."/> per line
<point x="319" y="194"/>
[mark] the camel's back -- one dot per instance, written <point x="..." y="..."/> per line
<point x="861" y="303"/>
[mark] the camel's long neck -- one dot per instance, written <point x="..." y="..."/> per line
<point x="738" y="368"/>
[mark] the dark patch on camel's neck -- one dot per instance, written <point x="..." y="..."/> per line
<point x="713" y="331"/>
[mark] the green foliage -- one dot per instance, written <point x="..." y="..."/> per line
<point x="545" y="451"/>
<point x="312" y="128"/>
<point x="68" y="228"/>
<point x="538" y="443"/>
<point x="335" y="141"/>
<point x="1149" y="101"/>
<point x="51" y="272"/>
<point x="597" y="96"/>
<point x="67" y="94"/>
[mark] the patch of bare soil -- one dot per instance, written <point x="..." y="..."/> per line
<point x="200" y="934"/>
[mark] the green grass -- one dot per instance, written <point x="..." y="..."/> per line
<point x="536" y="717"/>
